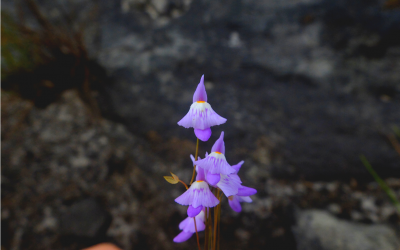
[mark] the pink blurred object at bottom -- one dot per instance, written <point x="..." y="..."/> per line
<point x="103" y="246"/>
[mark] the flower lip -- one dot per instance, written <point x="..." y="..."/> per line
<point x="198" y="194"/>
<point x="201" y="116"/>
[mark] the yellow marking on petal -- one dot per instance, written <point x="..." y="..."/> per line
<point x="199" y="181"/>
<point x="218" y="152"/>
<point x="200" y="101"/>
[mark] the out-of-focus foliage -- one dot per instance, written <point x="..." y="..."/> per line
<point x="381" y="183"/>
<point x="42" y="58"/>
<point x="18" y="52"/>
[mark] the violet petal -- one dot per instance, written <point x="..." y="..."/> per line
<point x="203" y="134"/>
<point x="238" y="166"/>
<point x="246" y="191"/>
<point x="213" y="179"/>
<point x="200" y="94"/>
<point x="219" y="145"/>
<point x="192" y="212"/>
<point x="183" y="236"/>
<point x="235" y="204"/>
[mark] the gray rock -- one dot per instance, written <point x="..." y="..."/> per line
<point x="302" y="74"/>
<point x="318" y="79"/>
<point x="318" y="230"/>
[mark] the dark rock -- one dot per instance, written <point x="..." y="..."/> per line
<point x="6" y="233"/>
<point x="85" y="218"/>
<point x="318" y="230"/>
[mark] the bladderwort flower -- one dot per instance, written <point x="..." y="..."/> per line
<point x="214" y="174"/>
<point x="229" y="184"/>
<point x="215" y="163"/>
<point x="198" y="195"/>
<point x="201" y="116"/>
<point x="189" y="228"/>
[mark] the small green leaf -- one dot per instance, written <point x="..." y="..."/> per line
<point x="170" y="179"/>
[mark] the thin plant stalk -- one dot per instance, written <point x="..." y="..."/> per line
<point x="206" y="230"/>
<point x="195" y="158"/>
<point x="219" y="219"/>
<point x="197" y="234"/>
<point x="215" y="222"/>
<point x="209" y="230"/>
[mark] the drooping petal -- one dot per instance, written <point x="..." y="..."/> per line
<point x="229" y="184"/>
<point x="246" y="191"/>
<point x="184" y="223"/>
<point x="203" y="134"/>
<point x="200" y="94"/>
<point x="213" y="179"/>
<point x="183" y="236"/>
<point x="234" y="203"/>
<point x="237" y="166"/>
<point x="188" y="223"/>
<point x="245" y="199"/>
<point x="186" y="121"/>
<point x="215" y="163"/>
<point x="193" y="212"/>
<point x="199" y="194"/>
<point x="219" y="145"/>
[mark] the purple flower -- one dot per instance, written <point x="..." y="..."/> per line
<point x="242" y="194"/>
<point x="199" y="194"/>
<point x="188" y="228"/>
<point x="201" y="116"/>
<point x="215" y="163"/>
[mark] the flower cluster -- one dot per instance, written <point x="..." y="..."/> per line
<point x="215" y="176"/>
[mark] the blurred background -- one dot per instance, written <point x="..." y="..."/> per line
<point x="92" y="91"/>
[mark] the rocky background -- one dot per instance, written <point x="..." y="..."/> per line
<point x="92" y="92"/>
